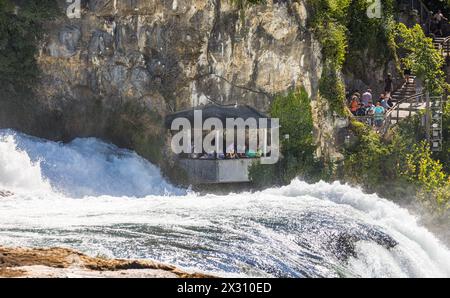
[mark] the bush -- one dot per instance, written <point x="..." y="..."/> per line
<point x="444" y="156"/>
<point x="18" y="38"/>
<point x="349" y="37"/>
<point x="295" y="115"/>
<point x="428" y="173"/>
<point x="368" y="163"/>
<point x="422" y="58"/>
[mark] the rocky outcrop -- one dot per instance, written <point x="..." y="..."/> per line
<point x="118" y="70"/>
<point x="64" y="263"/>
<point x="169" y="55"/>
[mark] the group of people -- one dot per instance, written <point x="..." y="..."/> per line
<point x="365" y="105"/>
<point x="231" y="152"/>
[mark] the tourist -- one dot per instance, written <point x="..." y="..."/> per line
<point x="231" y="153"/>
<point x="370" y="108"/>
<point x="354" y="105"/>
<point x="382" y="96"/>
<point x="384" y="102"/>
<point x="388" y="83"/>
<point x="407" y="73"/>
<point x="366" y="97"/>
<point x="378" y="115"/>
<point x="389" y="102"/>
<point x="250" y="153"/>
<point x="241" y="151"/>
<point x="361" y="111"/>
<point x="369" y="112"/>
<point x="439" y="19"/>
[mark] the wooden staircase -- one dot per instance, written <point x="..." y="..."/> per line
<point x="407" y="102"/>
<point x="442" y="44"/>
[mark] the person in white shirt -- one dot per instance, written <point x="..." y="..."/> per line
<point x="366" y="97"/>
<point x="231" y="153"/>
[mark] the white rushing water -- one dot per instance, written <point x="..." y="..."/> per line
<point x="102" y="200"/>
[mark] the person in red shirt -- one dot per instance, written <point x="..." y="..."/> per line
<point x="354" y="105"/>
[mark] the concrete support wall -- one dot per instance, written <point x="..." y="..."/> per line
<point x="207" y="171"/>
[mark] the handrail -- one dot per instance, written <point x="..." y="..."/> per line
<point x="396" y="108"/>
<point x="446" y="39"/>
<point x="405" y="99"/>
<point x="389" y="115"/>
<point x="444" y="47"/>
<point x="424" y="12"/>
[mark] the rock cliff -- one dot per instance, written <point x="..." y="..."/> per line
<point x="118" y="70"/>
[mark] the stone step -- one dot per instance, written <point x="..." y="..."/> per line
<point x="404" y="90"/>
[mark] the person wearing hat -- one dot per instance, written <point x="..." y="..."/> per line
<point x="366" y="97"/>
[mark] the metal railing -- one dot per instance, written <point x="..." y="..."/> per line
<point x="423" y="12"/>
<point x="394" y="112"/>
<point x="444" y="47"/>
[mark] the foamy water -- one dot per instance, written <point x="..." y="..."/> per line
<point x="102" y="200"/>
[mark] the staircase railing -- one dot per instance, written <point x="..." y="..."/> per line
<point x="394" y="112"/>
<point x="444" y="47"/>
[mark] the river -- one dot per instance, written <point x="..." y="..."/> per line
<point x="105" y="201"/>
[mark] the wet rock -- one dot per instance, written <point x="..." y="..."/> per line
<point x="343" y="245"/>
<point x="62" y="263"/>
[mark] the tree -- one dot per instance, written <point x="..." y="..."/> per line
<point x="422" y="58"/>
<point x="19" y="33"/>
<point x="428" y="173"/>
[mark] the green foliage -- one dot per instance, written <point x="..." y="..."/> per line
<point x="422" y="169"/>
<point x="417" y="164"/>
<point x="347" y="36"/>
<point x="329" y="25"/>
<point x="422" y="58"/>
<point x="38" y="10"/>
<point x="295" y="115"/>
<point x="374" y="34"/>
<point x="370" y="39"/>
<point x="390" y="167"/>
<point x="330" y="10"/>
<point x="263" y="175"/>
<point x="19" y="34"/>
<point x="333" y="38"/>
<point x="294" y="112"/>
<point x="368" y="163"/>
<point x="332" y="88"/>
<point x="444" y="156"/>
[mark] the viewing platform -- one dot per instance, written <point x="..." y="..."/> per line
<point x="217" y="171"/>
<point x="229" y="149"/>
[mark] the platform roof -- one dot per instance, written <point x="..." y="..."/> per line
<point x="221" y="112"/>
